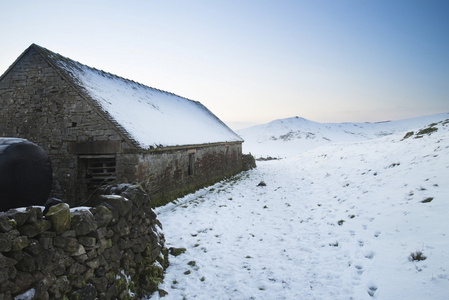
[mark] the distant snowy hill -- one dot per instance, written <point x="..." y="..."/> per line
<point x="291" y="136"/>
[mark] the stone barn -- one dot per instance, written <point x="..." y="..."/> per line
<point x="99" y="128"/>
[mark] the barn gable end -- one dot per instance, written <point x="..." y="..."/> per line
<point x="39" y="104"/>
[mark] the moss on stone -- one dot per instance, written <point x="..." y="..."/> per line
<point x="125" y="287"/>
<point x="12" y="223"/>
<point x="150" y="278"/>
<point x="177" y="251"/>
<point x="168" y="196"/>
<point x="163" y="258"/>
<point x="60" y="217"/>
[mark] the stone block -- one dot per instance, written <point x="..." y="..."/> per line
<point x="109" y="233"/>
<point x="60" y="217"/>
<point x="4" y="275"/>
<point x="139" y="247"/>
<point x="104" y="244"/>
<point x="6" y="262"/>
<point x="19" y="243"/>
<point x="5" y="224"/>
<point x="19" y="216"/>
<point x="102" y="215"/>
<point x="32" y="229"/>
<point x="35" y="214"/>
<point x="121" y="228"/>
<point x="46" y="242"/>
<point x="71" y="244"/>
<point x="13" y="234"/>
<point x="93" y="263"/>
<point x="15" y="255"/>
<point x="91" y="254"/>
<point x="76" y="269"/>
<point x="34" y="248"/>
<point x="22" y="282"/>
<point x="120" y="203"/>
<point x="26" y="264"/>
<point x="83" y="222"/>
<point x="5" y="243"/>
<point x="88" y="292"/>
<point x="69" y="233"/>
<point x="60" y="287"/>
<point x="81" y="258"/>
<point x="100" y="283"/>
<point x="100" y="233"/>
<point x="113" y="254"/>
<point x="59" y="241"/>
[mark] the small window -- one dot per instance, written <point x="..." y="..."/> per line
<point x="191" y="163"/>
<point x="100" y="171"/>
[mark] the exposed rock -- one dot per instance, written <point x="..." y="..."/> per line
<point x="176" y="251"/>
<point x="248" y="162"/>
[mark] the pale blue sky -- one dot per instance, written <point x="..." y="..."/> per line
<point x="255" y="61"/>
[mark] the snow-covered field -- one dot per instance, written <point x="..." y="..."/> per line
<point x="340" y="221"/>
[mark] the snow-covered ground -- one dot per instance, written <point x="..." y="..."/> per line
<point x="340" y="221"/>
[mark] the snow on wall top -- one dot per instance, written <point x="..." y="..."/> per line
<point x="151" y="117"/>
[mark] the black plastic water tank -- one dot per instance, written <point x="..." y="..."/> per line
<point x="25" y="174"/>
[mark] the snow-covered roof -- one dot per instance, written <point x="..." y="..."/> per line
<point x="150" y="117"/>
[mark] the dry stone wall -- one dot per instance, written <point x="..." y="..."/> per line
<point x="113" y="250"/>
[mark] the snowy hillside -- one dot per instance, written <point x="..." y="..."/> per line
<point x="366" y="219"/>
<point x="287" y="137"/>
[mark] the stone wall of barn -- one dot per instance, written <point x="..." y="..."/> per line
<point x="114" y="250"/>
<point x="169" y="174"/>
<point x="37" y="104"/>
